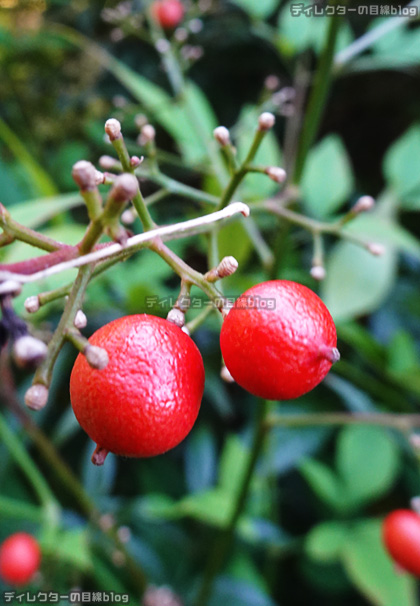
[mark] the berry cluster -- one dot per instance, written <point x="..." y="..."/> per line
<point x="278" y="342"/>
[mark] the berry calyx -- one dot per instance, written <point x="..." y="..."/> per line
<point x="147" y="398"/>
<point x="168" y="13"/>
<point x="401" y="536"/>
<point x="279" y="340"/>
<point x="20" y="557"/>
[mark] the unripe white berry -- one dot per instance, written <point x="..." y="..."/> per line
<point x="28" y="351"/>
<point x="147" y="134"/>
<point x="318" y="272"/>
<point x="177" y="317"/>
<point x="227" y="267"/>
<point x="32" y="304"/>
<point x="125" y="187"/>
<point x="222" y="135"/>
<point x="97" y="357"/>
<point x="364" y="204"/>
<point x="84" y="174"/>
<point x="36" y="397"/>
<point x="10" y="287"/>
<point x="276" y="174"/>
<point x="80" y="320"/>
<point x="108" y="162"/>
<point x="376" y="249"/>
<point x="113" y="129"/>
<point x="266" y="121"/>
<point x="128" y="217"/>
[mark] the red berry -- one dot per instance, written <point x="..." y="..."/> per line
<point x="168" y="13"/>
<point x="401" y="535"/>
<point x="279" y="340"/>
<point x="146" y="400"/>
<point x="20" y="557"/>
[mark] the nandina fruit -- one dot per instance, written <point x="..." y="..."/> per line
<point x="401" y="536"/>
<point x="20" y="557"/>
<point x="146" y="400"/>
<point x="279" y="340"/>
<point x="168" y="13"/>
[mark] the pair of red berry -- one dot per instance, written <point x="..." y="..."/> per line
<point x="278" y="342"/>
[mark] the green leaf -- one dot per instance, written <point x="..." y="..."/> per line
<point x="259" y="10"/>
<point x="233" y="240"/>
<point x="325" y="542"/>
<point x="36" y="212"/>
<point x="371" y="569"/>
<point x="155" y="506"/>
<point x="71" y="547"/>
<point x="200" y="460"/>
<point x="233" y="464"/>
<point x="213" y="507"/>
<point x="328" y="178"/>
<point x="324" y="483"/>
<point x="367" y="461"/>
<point x="402" y="162"/>
<point x="402" y="353"/>
<point x="357" y="282"/>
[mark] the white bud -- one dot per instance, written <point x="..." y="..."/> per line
<point x="140" y="120"/>
<point x="28" y="351"/>
<point x="276" y="174"/>
<point x="36" y="397"/>
<point x="125" y="187"/>
<point x="177" y="317"/>
<point x="124" y="534"/>
<point x="108" y="162"/>
<point x="364" y="204"/>
<point x="128" y="217"/>
<point x="84" y="174"/>
<point x="225" y="375"/>
<point x="318" y="272"/>
<point x="272" y="82"/>
<point x="266" y="121"/>
<point x="195" y="26"/>
<point x="113" y="129"/>
<point x="80" y="320"/>
<point x="376" y="249"/>
<point x="97" y="357"/>
<point x="10" y="287"/>
<point x="227" y="267"/>
<point x="135" y="161"/>
<point x="222" y="135"/>
<point x="415" y="504"/>
<point x="32" y="304"/>
<point x="147" y="134"/>
<point x="181" y="34"/>
<point x="162" y="45"/>
<point x="99" y="177"/>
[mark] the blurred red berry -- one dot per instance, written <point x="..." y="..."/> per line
<point x="168" y="13"/>
<point x="401" y="536"/>
<point x="20" y="557"/>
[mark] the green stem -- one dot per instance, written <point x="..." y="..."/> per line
<point x="317" y="98"/>
<point x="177" y="188"/>
<point x="401" y="422"/>
<point x="224" y="540"/>
<point x="16" y="231"/>
<point x="12" y="508"/>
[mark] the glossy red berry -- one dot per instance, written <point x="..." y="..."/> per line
<point x="279" y="340"/>
<point x="20" y="557"/>
<point x="146" y="400"/>
<point x="168" y="13"/>
<point x="401" y="536"/>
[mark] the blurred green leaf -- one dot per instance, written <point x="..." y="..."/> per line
<point x="233" y="464"/>
<point x="200" y="460"/>
<point x="328" y="178"/>
<point x="367" y="461"/>
<point x="213" y="507"/>
<point x="371" y="569"/>
<point x="357" y="282"/>
<point x="325" y="541"/>
<point x="259" y="10"/>
<point x="402" y="353"/>
<point x="71" y="547"/>
<point x="233" y="240"/>
<point x="326" y="485"/>
<point x="401" y="163"/>
<point x="238" y="593"/>
<point x="36" y="212"/>
<point x="98" y="481"/>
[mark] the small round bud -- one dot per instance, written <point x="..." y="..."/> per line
<point x="97" y="357"/>
<point x="266" y="121"/>
<point x="318" y="272"/>
<point x="227" y="267"/>
<point x="99" y="177"/>
<point x="36" y="397"/>
<point x="119" y="101"/>
<point x="147" y="134"/>
<point x="140" y="120"/>
<point x="162" y="46"/>
<point x="160" y="596"/>
<point x="108" y="162"/>
<point x="128" y="217"/>
<point x="125" y="187"/>
<point x="118" y="558"/>
<point x="222" y="135"/>
<point x="32" y="304"/>
<point x="106" y="522"/>
<point x="116" y="34"/>
<point x="195" y="26"/>
<point x="113" y="129"/>
<point x="276" y="174"/>
<point x="364" y="204"/>
<point x="376" y="249"/>
<point x="135" y="161"/>
<point x="225" y="375"/>
<point x="124" y="534"/>
<point x="28" y="352"/>
<point x="80" y="320"/>
<point x="10" y="287"/>
<point x="177" y="317"/>
<point x="84" y="174"/>
<point x="272" y="82"/>
<point x="181" y="34"/>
